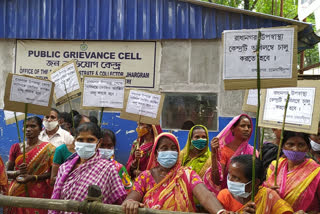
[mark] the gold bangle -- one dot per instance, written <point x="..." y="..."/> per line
<point x="36" y="176"/>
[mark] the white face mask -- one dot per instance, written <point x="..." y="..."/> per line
<point x="85" y="150"/>
<point x="238" y="189"/>
<point x="106" y="153"/>
<point x="315" y="146"/>
<point x="50" y="125"/>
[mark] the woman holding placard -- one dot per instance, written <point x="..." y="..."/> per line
<point x="166" y="185"/>
<point x="141" y="148"/>
<point x="33" y="174"/>
<point x="298" y="177"/>
<point x="233" y="141"/>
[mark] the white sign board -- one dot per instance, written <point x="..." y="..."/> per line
<point x="66" y="80"/>
<point x="30" y="90"/>
<point x="10" y="118"/>
<point x="306" y="7"/>
<point x="143" y="103"/>
<point x="103" y="92"/>
<point x="276" y="53"/>
<point x="252" y="97"/>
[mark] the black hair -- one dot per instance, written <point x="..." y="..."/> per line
<point x="56" y="110"/>
<point x="238" y="121"/>
<point x="159" y="141"/>
<point x="93" y="119"/>
<point x="77" y="119"/>
<point x="187" y="125"/>
<point x="246" y="162"/>
<point x="37" y="120"/>
<point x="290" y="134"/>
<point x="89" y="127"/>
<point x="66" y="117"/>
<point x="196" y="128"/>
<point x="74" y="112"/>
<point x="108" y="132"/>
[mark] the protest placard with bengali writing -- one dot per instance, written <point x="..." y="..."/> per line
<point x="10" y="118"/>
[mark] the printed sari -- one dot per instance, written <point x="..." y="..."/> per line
<point x="146" y="148"/>
<point x="124" y="175"/>
<point x="300" y="187"/>
<point x="225" y="154"/>
<point x="39" y="161"/>
<point x="267" y="201"/>
<point x="174" y="192"/>
<point x="3" y="178"/>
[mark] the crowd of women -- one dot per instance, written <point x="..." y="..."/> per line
<point x="208" y="175"/>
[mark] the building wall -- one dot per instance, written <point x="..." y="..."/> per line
<point x="187" y="66"/>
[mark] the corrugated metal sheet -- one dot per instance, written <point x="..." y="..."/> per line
<point x="126" y="19"/>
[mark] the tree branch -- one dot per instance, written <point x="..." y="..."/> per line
<point x="253" y="4"/>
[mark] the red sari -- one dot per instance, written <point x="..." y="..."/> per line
<point x="39" y="161"/>
<point x="3" y="178"/>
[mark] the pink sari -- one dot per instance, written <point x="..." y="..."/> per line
<point x="226" y="137"/>
<point x="145" y="147"/>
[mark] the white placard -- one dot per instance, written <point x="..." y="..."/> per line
<point x="276" y="53"/>
<point x="10" y="114"/>
<point x="66" y="75"/>
<point x="300" y="106"/>
<point x="252" y="97"/>
<point x="143" y="103"/>
<point x="103" y="92"/>
<point x="30" y="90"/>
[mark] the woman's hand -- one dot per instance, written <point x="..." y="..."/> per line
<point x="214" y="144"/>
<point x="22" y="169"/>
<point x="275" y="188"/>
<point x="138" y="154"/>
<point x="23" y="179"/>
<point x="250" y="208"/>
<point x="131" y="206"/>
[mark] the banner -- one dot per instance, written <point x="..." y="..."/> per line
<point x="135" y="61"/>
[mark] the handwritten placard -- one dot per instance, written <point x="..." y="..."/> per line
<point x="25" y="89"/>
<point x="103" y="92"/>
<point x="67" y="82"/>
<point x="277" y="57"/>
<point x="143" y="106"/>
<point x="10" y="118"/>
<point x="302" y="113"/>
<point x="250" y="101"/>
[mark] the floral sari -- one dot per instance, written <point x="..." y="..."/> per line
<point x="146" y="148"/>
<point x="174" y="192"/>
<point x="225" y="154"/>
<point x="39" y="161"/>
<point x="3" y="178"/>
<point x="300" y="187"/>
<point x="202" y="161"/>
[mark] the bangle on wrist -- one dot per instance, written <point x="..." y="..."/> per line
<point x="36" y="177"/>
<point x="221" y="211"/>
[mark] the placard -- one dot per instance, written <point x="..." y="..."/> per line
<point x="303" y="108"/>
<point x="103" y="92"/>
<point x="278" y="58"/>
<point x="10" y="118"/>
<point x="22" y="89"/>
<point x="250" y="101"/>
<point x="142" y="106"/>
<point x="67" y="82"/>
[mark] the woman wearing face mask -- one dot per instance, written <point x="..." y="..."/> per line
<point x="196" y="153"/>
<point x="166" y="185"/>
<point x="298" y="177"/>
<point x="238" y="195"/>
<point x="233" y="141"/>
<point x="106" y="151"/>
<point x="315" y="146"/>
<point x="33" y="174"/>
<point x="86" y="167"/>
<point x="141" y="148"/>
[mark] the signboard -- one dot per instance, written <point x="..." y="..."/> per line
<point x="10" y="118"/>
<point x="278" y="50"/>
<point x="25" y="89"/>
<point x="306" y="7"/>
<point x="103" y="92"/>
<point x="142" y="106"/>
<point x="303" y="108"/>
<point x="250" y="101"/>
<point x="138" y="62"/>
<point x="67" y="82"/>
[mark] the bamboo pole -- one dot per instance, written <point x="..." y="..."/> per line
<point x="72" y="206"/>
<point x="24" y="141"/>
<point x="18" y="130"/>
<point x="261" y="143"/>
<point x="101" y="116"/>
<point x="281" y="139"/>
<point x="257" y="119"/>
<point x="65" y="88"/>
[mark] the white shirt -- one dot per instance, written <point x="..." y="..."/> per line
<point x="58" y="138"/>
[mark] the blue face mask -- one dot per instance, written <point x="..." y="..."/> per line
<point x="238" y="189"/>
<point x="200" y="143"/>
<point x="167" y="159"/>
<point x="106" y="153"/>
<point x="85" y="150"/>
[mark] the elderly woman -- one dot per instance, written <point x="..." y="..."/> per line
<point x="166" y="185"/>
<point x="86" y="167"/>
<point x="30" y="178"/>
<point x="233" y="141"/>
<point x="141" y="148"/>
<point x="196" y="153"/>
<point x="237" y="197"/>
<point x="298" y="177"/>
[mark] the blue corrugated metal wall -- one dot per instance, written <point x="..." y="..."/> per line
<point x="119" y="20"/>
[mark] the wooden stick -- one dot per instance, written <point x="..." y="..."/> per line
<point x="24" y="132"/>
<point x="281" y="139"/>
<point x="101" y="116"/>
<point x="65" y="89"/>
<point x="261" y="143"/>
<point x="257" y="119"/>
<point x="17" y="125"/>
<point x="138" y="145"/>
